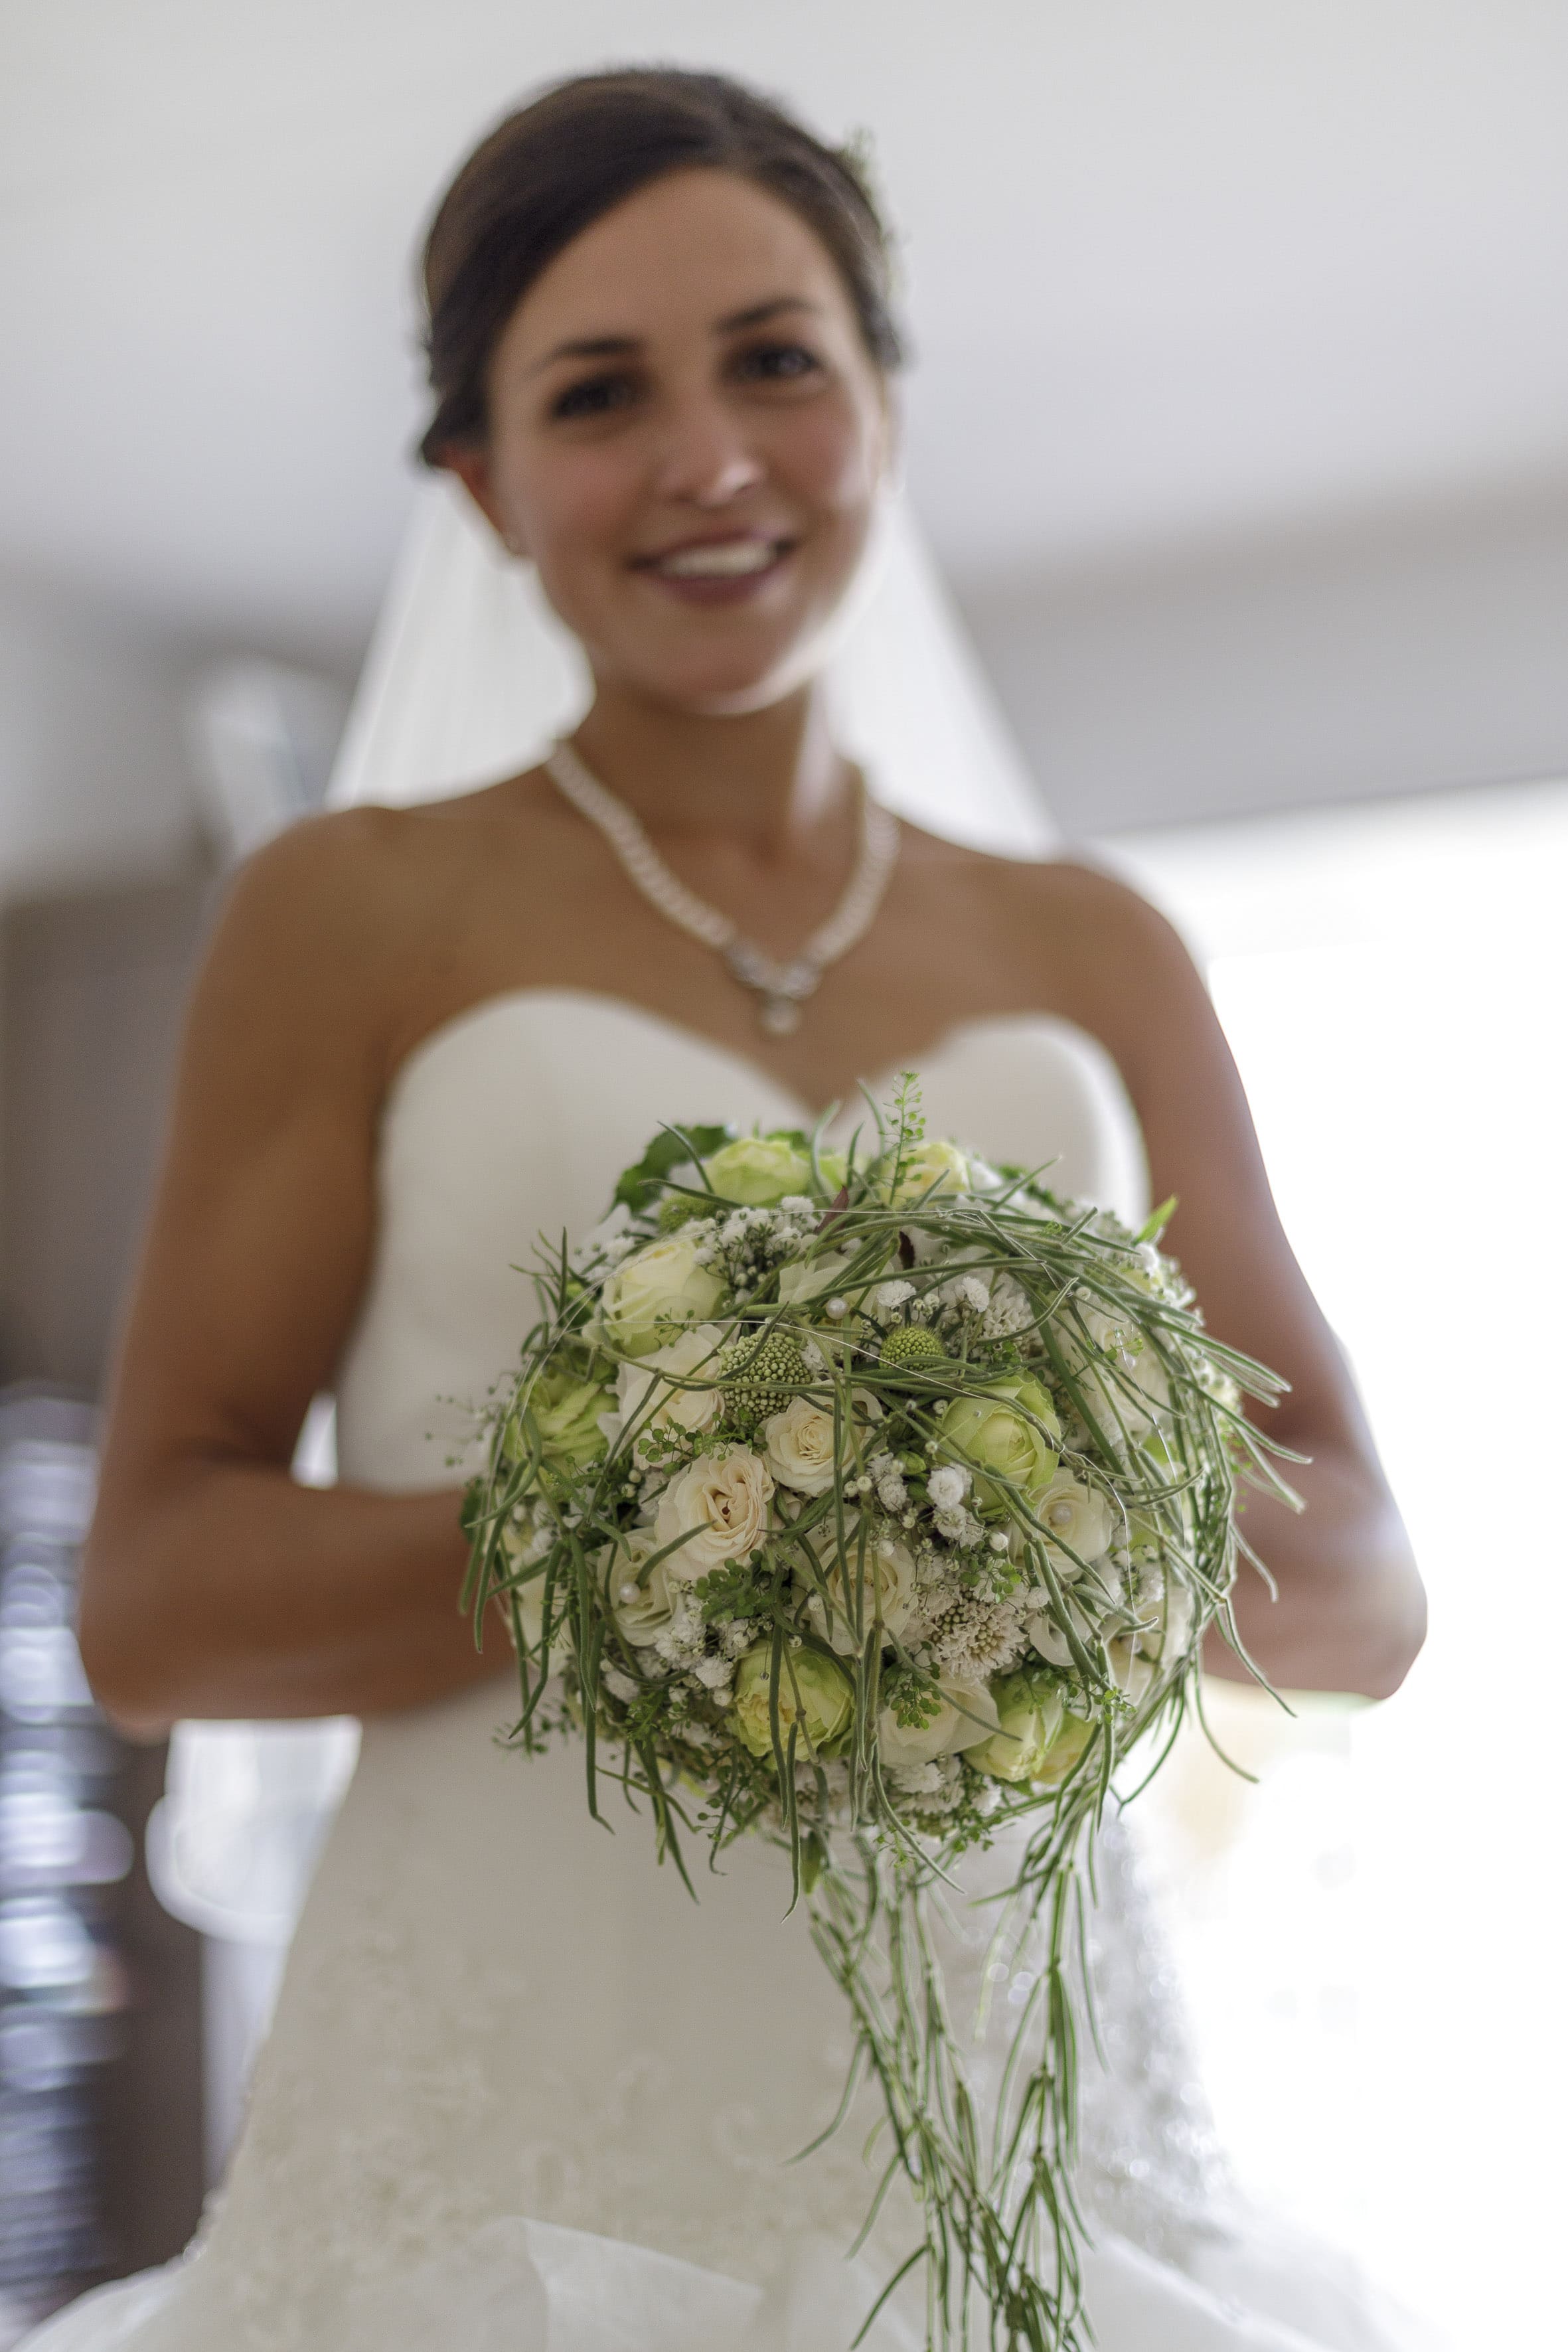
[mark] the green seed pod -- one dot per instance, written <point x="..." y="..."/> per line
<point x="760" y="1377"/>
<point x="677" y="1209"/>
<point x="910" y="1348"/>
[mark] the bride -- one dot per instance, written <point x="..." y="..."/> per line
<point x="520" y="2090"/>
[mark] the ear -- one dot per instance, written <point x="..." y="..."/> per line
<point x="470" y="461"/>
<point x="893" y="438"/>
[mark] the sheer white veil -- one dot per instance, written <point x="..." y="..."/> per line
<point x="469" y="677"/>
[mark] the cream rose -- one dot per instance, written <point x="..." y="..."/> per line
<point x="654" y="1291"/>
<point x="887" y="1574"/>
<point x="966" y="1714"/>
<point x="799" y="1443"/>
<point x="643" y="1604"/>
<point x="719" y="1506"/>
<point x="648" y="1402"/>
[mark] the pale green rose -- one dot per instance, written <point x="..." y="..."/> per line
<point x="565" y="1408"/>
<point x="652" y="1292"/>
<point x="991" y="1432"/>
<point x="813" y="1693"/>
<point x="758" y="1170"/>
<point x="930" y="1170"/>
<point x="965" y="1716"/>
<point x="1029" y="1721"/>
<point x="1064" y="1750"/>
<point x="835" y="1167"/>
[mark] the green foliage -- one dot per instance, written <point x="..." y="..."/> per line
<point x="737" y="1590"/>
<point x="641" y="1185"/>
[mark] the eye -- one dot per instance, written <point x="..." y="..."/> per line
<point x="594" y="395"/>
<point x="781" y="363"/>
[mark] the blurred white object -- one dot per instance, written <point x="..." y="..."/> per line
<point x="470" y="676"/>
<point x="263" y="738"/>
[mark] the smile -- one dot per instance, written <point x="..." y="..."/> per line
<point x="722" y="559"/>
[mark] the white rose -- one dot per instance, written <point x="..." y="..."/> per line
<point x="647" y="1402"/>
<point x="809" y="1282"/>
<point x="525" y="1543"/>
<point x="1133" y="1675"/>
<point x="1127" y="1397"/>
<point x="1076" y="1519"/>
<point x="1096" y="1596"/>
<point x="799" y="1442"/>
<point x="966" y="1714"/>
<point x="720" y="1505"/>
<point x="888" y="1571"/>
<point x="655" y="1289"/>
<point x="643" y="1606"/>
<point x="1164" y="1608"/>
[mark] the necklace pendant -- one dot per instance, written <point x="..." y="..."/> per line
<point x="779" y="1015"/>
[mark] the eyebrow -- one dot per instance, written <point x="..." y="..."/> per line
<point x="615" y="347"/>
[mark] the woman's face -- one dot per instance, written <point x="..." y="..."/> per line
<point x="687" y="435"/>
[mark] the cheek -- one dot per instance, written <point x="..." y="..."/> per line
<point x="830" y="456"/>
<point x="576" y="511"/>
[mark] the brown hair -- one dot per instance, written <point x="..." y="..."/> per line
<point x="551" y="169"/>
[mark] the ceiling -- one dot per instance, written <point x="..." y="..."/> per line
<point x="1180" y="271"/>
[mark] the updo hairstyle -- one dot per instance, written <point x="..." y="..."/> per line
<point x="551" y="169"/>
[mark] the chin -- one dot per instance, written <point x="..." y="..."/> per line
<point x="727" y="684"/>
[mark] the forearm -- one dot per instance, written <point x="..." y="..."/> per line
<point x="1351" y="1614"/>
<point x="236" y="1592"/>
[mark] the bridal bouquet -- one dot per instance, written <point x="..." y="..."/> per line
<point x="877" y="1503"/>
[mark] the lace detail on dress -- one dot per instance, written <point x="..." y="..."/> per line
<point x="1151" y="2166"/>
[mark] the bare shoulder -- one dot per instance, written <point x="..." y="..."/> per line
<point x="357" y="911"/>
<point x="1072" y="923"/>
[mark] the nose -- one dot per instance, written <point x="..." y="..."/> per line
<point x="705" y="458"/>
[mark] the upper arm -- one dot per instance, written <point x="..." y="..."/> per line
<point x="261" y="1228"/>
<point x="1147" y="1002"/>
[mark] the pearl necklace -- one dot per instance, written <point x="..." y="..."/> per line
<point x="782" y="988"/>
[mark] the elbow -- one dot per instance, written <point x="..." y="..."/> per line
<point x="1397" y="1642"/>
<point x="124" y="1659"/>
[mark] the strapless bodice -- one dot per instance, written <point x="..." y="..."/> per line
<point x="511" y="1123"/>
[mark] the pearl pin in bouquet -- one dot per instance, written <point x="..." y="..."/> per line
<point x="877" y="1502"/>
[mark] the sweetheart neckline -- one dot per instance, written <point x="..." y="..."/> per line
<point x="626" y="1008"/>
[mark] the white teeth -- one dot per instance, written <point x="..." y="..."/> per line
<point x="729" y="559"/>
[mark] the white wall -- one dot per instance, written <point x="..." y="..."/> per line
<point x="95" y="782"/>
<point x="1406" y="656"/>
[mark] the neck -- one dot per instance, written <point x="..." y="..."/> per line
<point x="766" y="781"/>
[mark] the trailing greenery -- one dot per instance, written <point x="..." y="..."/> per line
<point x="877" y="1503"/>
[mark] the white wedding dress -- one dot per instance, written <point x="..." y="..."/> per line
<point x="520" y="2090"/>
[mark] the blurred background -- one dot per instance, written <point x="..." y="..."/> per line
<point x="1239" y="428"/>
